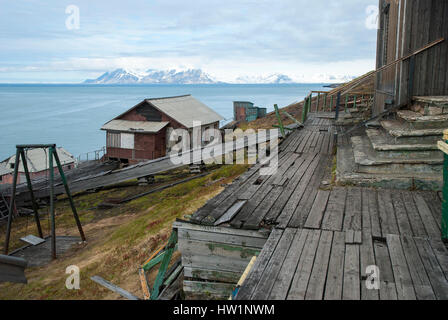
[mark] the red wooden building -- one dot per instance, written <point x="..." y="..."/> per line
<point x="142" y="133"/>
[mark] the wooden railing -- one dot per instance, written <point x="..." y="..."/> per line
<point x="325" y="101"/>
<point x="443" y="146"/>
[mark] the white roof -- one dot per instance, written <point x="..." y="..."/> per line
<point x="134" y="126"/>
<point x="4" y="168"/>
<point x="37" y="160"/>
<point x="185" y="110"/>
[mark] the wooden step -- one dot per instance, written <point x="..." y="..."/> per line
<point x="347" y="174"/>
<point x="418" y="121"/>
<point x="381" y="141"/>
<point x="369" y="161"/>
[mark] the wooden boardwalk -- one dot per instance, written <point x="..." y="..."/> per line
<point x="323" y="238"/>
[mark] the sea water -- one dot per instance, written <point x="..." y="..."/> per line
<point x="71" y="115"/>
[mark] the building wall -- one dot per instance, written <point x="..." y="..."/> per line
<point x="408" y="26"/>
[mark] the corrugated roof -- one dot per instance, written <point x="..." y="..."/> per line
<point x="134" y="126"/>
<point x="185" y="110"/>
<point x="37" y="160"/>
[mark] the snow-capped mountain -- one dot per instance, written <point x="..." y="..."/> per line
<point x="270" y="79"/>
<point x="152" y="76"/>
<point x="197" y="76"/>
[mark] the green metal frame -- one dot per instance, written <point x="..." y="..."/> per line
<point x="169" y="250"/>
<point x="20" y="153"/>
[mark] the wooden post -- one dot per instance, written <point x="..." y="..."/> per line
<point x="317" y="104"/>
<point x="13" y="199"/>
<point x="69" y="195"/>
<point x="280" y="122"/>
<point x="346" y="102"/>
<point x="338" y="102"/>
<point x="52" y="217"/>
<point x="445" y="192"/>
<point x="30" y="188"/>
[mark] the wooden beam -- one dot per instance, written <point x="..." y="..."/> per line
<point x="113" y="288"/>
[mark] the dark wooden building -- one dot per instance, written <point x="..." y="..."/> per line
<point x="142" y="132"/>
<point x="405" y="26"/>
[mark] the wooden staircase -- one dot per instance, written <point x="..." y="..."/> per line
<point x="401" y="153"/>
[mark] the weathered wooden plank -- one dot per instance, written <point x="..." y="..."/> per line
<point x="296" y="195"/>
<point x="433" y="270"/>
<point x="304" y="268"/>
<point x="349" y="236"/>
<point x="388" y="290"/>
<point x="401" y="214"/>
<point x="258" y="215"/>
<point x="262" y="261"/>
<point x="224" y="238"/>
<point x="214" y="262"/>
<point x="415" y="220"/>
<point x="420" y="280"/>
<point x="303" y="209"/>
<point x="269" y="275"/>
<point x="229" y="214"/>
<point x="212" y="275"/>
<point x="366" y="221"/>
<point x="403" y="281"/>
<point x="309" y="164"/>
<point x="353" y="210"/>
<point x="367" y="259"/>
<point x="435" y="206"/>
<point x="441" y="253"/>
<point x="316" y="285"/>
<point x="317" y="211"/>
<point x="334" y="214"/>
<point x="114" y="288"/>
<point x="428" y="220"/>
<point x="386" y="212"/>
<point x="352" y="280"/>
<point x="208" y="289"/>
<point x="193" y="247"/>
<point x="284" y="278"/>
<point x="250" y="206"/>
<point x="335" y="277"/>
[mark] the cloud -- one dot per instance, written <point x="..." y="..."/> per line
<point x="236" y="36"/>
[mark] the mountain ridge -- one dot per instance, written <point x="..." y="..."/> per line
<point x="196" y="76"/>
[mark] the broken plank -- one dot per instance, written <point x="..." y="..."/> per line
<point x="352" y="281"/>
<point x="317" y="211"/>
<point x="403" y="281"/>
<point x="304" y="268"/>
<point x="316" y="285"/>
<point x="334" y="213"/>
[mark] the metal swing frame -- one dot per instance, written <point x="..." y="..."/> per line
<point x="20" y="153"/>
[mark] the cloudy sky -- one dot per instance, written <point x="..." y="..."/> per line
<point x="41" y="40"/>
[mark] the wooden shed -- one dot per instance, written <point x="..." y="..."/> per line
<point x="142" y="132"/>
<point x="405" y="26"/>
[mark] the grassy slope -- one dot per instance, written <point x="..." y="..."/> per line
<point x="119" y="239"/>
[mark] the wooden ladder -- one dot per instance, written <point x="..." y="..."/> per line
<point x="4" y="208"/>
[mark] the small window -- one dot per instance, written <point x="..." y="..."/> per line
<point x="1" y="178"/>
<point x="11" y="165"/>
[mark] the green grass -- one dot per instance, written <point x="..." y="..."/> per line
<point x="119" y="239"/>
